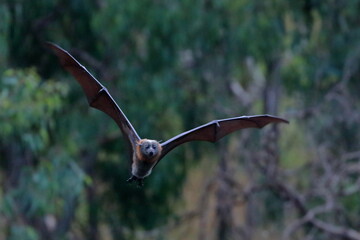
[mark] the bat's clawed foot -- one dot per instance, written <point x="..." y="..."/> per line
<point x="140" y="181"/>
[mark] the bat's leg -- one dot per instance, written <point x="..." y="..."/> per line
<point x="131" y="179"/>
<point x="140" y="182"/>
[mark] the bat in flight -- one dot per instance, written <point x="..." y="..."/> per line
<point x="147" y="153"/>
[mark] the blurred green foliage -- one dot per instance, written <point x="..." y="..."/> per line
<point x="22" y="232"/>
<point x="28" y="113"/>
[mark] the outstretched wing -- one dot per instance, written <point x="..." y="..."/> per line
<point x="97" y="95"/>
<point x="215" y="130"/>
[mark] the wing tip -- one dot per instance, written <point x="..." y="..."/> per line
<point x="59" y="51"/>
<point x="277" y="119"/>
<point x="65" y="58"/>
<point x="270" y="119"/>
<point x="48" y="43"/>
<point x="53" y="46"/>
<point x="274" y="118"/>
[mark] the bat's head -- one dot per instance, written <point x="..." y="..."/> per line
<point x="146" y="155"/>
<point x="149" y="149"/>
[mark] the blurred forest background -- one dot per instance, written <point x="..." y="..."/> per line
<point x="171" y="66"/>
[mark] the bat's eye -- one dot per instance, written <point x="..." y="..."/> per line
<point x="154" y="146"/>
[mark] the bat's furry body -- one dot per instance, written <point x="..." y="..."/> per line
<point x="147" y="153"/>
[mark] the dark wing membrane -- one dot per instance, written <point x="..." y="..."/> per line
<point x="215" y="130"/>
<point x="97" y="95"/>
